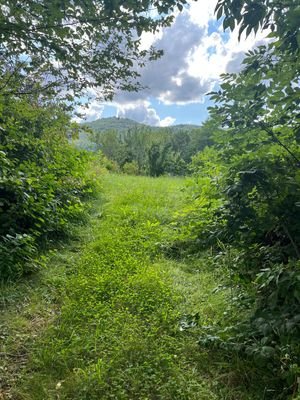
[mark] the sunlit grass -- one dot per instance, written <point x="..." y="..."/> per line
<point x="110" y="310"/>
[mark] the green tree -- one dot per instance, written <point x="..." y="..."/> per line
<point x="202" y="137"/>
<point x="69" y="46"/>
<point x="281" y="17"/>
<point x="110" y="143"/>
<point x="136" y="142"/>
<point x="265" y="96"/>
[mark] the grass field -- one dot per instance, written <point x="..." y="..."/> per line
<point x="111" y="317"/>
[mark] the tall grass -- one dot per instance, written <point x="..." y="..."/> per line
<point x="124" y="324"/>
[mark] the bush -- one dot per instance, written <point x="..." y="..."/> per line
<point x="131" y="168"/>
<point x="245" y="208"/>
<point x="17" y="255"/>
<point x="43" y="181"/>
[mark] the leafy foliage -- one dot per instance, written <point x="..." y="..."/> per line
<point x="127" y="319"/>
<point x="154" y="151"/>
<point x="42" y="181"/>
<point x="265" y="95"/>
<point x="279" y="16"/>
<point x="67" y="47"/>
<point x="244" y="207"/>
<point x="245" y="197"/>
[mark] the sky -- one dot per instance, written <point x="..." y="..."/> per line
<point x="196" y="52"/>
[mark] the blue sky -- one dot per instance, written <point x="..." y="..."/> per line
<point x="185" y="114"/>
<point x="196" y="52"/>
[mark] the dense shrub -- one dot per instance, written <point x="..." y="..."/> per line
<point x="131" y="168"/>
<point x="244" y="207"/>
<point x="42" y="181"/>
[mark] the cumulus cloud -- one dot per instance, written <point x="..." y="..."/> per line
<point x="234" y="65"/>
<point x="196" y="52"/>
<point x="169" y="79"/>
<point x="168" y="121"/>
<point x="144" y="113"/>
<point x="202" y="12"/>
<point x="89" y="113"/>
<point x="140" y="113"/>
<point x="222" y="53"/>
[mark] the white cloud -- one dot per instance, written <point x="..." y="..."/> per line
<point x="202" y="12"/>
<point x="168" y="79"/>
<point x="194" y="57"/>
<point x="139" y="112"/>
<point x="168" y="121"/>
<point x="196" y="52"/>
<point x="148" y="39"/>
<point x="221" y="53"/>
<point x="234" y="64"/>
<point x="143" y="112"/>
<point x="90" y="113"/>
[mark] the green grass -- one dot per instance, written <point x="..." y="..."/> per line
<point x="105" y="319"/>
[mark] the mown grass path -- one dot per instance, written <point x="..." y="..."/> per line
<point x="116" y="331"/>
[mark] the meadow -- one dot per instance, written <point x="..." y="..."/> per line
<point x="113" y="316"/>
<point x="163" y="263"/>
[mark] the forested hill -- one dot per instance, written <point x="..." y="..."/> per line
<point x="113" y="123"/>
<point x="125" y="124"/>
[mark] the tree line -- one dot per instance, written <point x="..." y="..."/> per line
<point x="153" y="152"/>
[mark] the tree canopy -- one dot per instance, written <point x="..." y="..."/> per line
<point x="265" y="94"/>
<point x="279" y="16"/>
<point x="69" y="46"/>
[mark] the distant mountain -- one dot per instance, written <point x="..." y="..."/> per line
<point x="113" y="123"/>
<point x="182" y="127"/>
<point x="124" y="124"/>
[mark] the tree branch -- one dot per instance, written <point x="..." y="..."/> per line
<point x="277" y="140"/>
